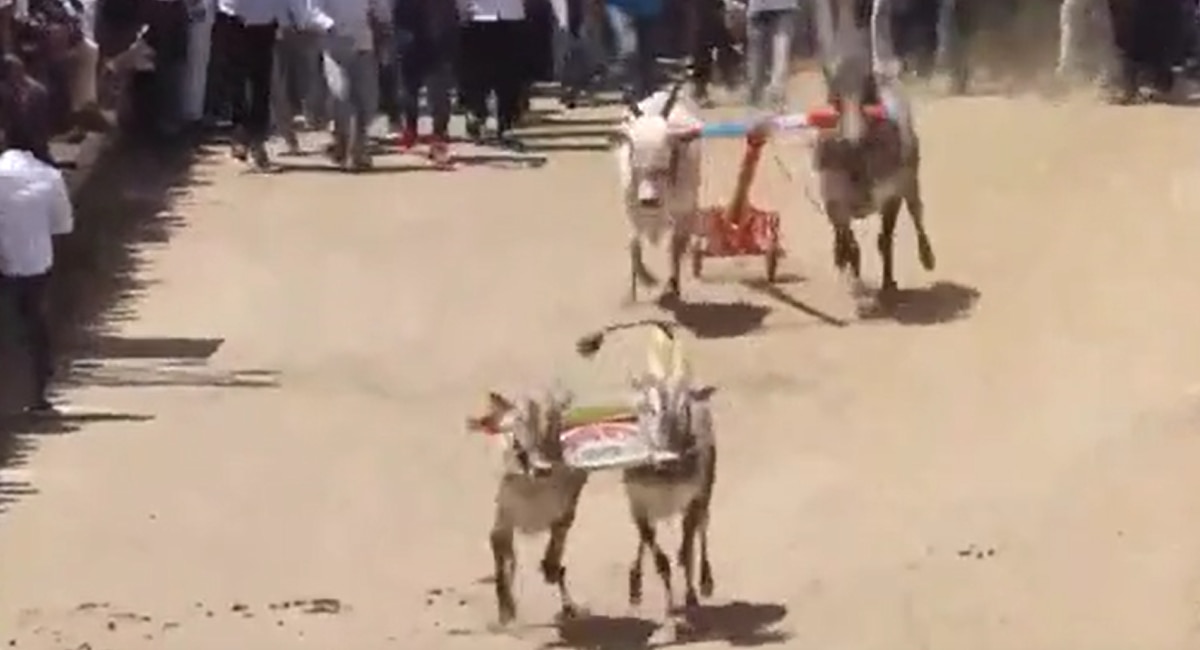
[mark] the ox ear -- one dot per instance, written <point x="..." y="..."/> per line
<point x="489" y="423"/>
<point x="499" y="404"/>
<point x="672" y="99"/>
<point x="634" y="109"/>
<point x="703" y="393"/>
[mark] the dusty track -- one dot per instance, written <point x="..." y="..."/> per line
<point x="1001" y="464"/>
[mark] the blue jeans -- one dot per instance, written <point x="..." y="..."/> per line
<point x="353" y="77"/>
<point x="635" y="53"/>
<point x="769" y="37"/>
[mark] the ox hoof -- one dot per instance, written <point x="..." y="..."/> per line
<point x="570" y="613"/>
<point x="925" y="250"/>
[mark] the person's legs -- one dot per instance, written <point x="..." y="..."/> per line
<point x="1124" y="38"/>
<point x="625" y="36"/>
<point x="758" y="43"/>
<point x="412" y="76"/>
<point x="437" y="90"/>
<point x="473" y="68"/>
<point x="260" y="50"/>
<point x="782" y="33"/>
<point x="509" y="74"/>
<point x="953" y="27"/>
<point x="338" y="51"/>
<point x="645" y="57"/>
<point x="364" y="96"/>
<point x="282" y="110"/>
<point x="237" y="71"/>
<point x="700" y="34"/>
<point x="200" y="33"/>
<point x="29" y="300"/>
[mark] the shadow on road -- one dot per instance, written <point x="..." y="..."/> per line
<point x="940" y="302"/>
<point x="714" y="320"/>
<point x="123" y="208"/>
<point x="739" y="623"/>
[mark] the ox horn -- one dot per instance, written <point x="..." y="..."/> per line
<point x="671" y="99"/>
<point x="633" y="107"/>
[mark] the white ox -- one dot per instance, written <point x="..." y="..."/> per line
<point x="658" y="158"/>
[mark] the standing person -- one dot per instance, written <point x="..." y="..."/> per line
<point x="34" y="208"/>
<point x="426" y="35"/>
<point x="633" y="25"/>
<point x="201" y="14"/>
<point x="492" y="61"/>
<point x="249" y="27"/>
<point x="352" y="72"/>
<point x="770" y="28"/>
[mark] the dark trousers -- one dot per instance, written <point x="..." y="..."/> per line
<point x="27" y="296"/>
<point x="492" y="61"/>
<point x="426" y="64"/>
<point x="710" y="36"/>
<point x="252" y="58"/>
<point x="1150" y="39"/>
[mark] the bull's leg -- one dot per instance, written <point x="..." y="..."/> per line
<point x="638" y="273"/>
<point x="504" y="560"/>
<point x="662" y="563"/>
<point x="916" y="210"/>
<point x="846" y="255"/>
<point x="679" y="246"/>
<point x="706" y="577"/>
<point x="635" y="573"/>
<point x="707" y="585"/>
<point x="887" y="236"/>
<point x="693" y="522"/>
<point x="552" y="568"/>
<point x="845" y="248"/>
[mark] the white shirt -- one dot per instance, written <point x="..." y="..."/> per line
<point x="263" y="12"/>
<point x="34" y="206"/>
<point x="492" y="10"/>
<point x="351" y="19"/>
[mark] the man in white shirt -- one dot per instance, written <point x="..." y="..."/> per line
<point x="34" y="208"/>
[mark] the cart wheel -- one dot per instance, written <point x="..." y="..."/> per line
<point x="697" y="261"/>
<point x="772" y="259"/>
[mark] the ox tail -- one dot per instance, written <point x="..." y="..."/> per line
<point x="589" y="345"/>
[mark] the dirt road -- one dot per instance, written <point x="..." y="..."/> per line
<point x="1002" y="464"/>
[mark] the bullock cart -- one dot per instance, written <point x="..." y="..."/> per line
<point x="739" y="228"/>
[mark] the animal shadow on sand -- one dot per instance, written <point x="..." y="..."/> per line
<point x="941" y="302"/>
<point x="738" y="623"/>
<point x="715" y="320"/>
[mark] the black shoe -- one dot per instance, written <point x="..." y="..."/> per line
<point x="506" y="141"/>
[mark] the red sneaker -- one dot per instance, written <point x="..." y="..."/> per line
<point x="407" y="139"/>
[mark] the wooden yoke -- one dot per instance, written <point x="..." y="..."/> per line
<point x="756" y="139"/>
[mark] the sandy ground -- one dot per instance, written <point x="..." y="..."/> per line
<point x="1000" y="464"/>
